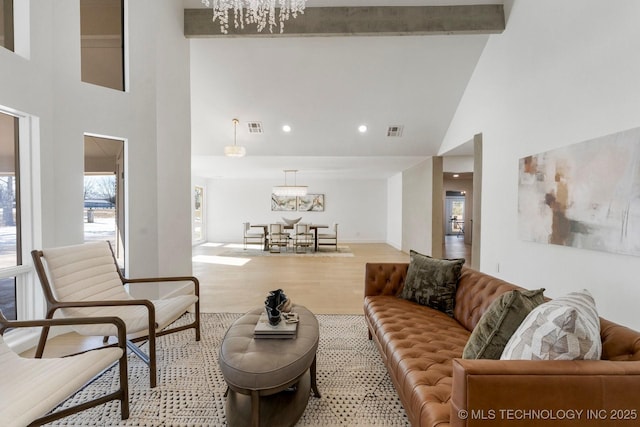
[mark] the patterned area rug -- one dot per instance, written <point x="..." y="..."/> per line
<point x="343" y="251"/>
<point x="355" y="386"/>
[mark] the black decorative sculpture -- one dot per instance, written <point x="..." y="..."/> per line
<point x="273" y="305"/>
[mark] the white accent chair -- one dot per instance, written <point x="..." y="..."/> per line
<point x="85" y="281"/>
<point x="303" y="237"/>
<point x="249" y="235"/>
<point x="31" y="388"/>
<point x="330" y="238"/>
<point x="278" y="237"/>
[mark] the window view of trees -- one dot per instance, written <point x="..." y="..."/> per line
<point x="8" y="245"/>
<point x="10" y="254"/>
<point x="8" y="200"/>
<point x="99" y="208"/>
<point x="101" y="187"/>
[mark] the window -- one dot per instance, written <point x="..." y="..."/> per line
<point x="10" y="248"/>
<point x="102" y="42"/>
<point x="198" y="220"/>
<point x="20" y="293"/>
<point x="6" y="24"/>
<point x="19" y="202"/>
<point x="104" y="188"/>
<point x="454" y="211"/>
<point x="100" y="208"/>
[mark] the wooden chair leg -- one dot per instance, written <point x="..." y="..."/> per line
<point x="43" y="340"/>
<point x="124" y="387"/>
<point x="197" y="320"/>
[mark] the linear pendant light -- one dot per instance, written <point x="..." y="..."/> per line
<point x="290" y="190"/>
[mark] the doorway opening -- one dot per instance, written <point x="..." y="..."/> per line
<point x="458" y="214"/>
<point x="461" y="222"/>
<point x="454" y="213"/>
<point x="104" y="187"/>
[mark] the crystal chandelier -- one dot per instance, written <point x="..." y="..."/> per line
<point x="260" y="12"/>
<point x="290" y="190"/>
<point x="235" y="150"/>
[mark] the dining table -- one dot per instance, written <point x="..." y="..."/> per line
<point x="313" y="227"/>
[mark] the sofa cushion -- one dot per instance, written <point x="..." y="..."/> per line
<point x="499" y="322"/>
<point x="418" y="345"/>
<point x="432" y="282"/>
<point x="565" y="328"/>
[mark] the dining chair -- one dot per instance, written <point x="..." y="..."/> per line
<point x="250" y="235"/>
<point x="278" y="237"/>
<point x="330" y="238"/>
<point x="85" y="281"/>
<point x="303" y="237"/>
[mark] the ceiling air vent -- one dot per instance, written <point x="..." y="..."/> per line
<point x="255" y="127"/>
<point x="394" y="130"/>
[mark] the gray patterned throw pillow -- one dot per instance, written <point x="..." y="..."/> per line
<point x="565" y="328"/>
<point x="432" y="282"/>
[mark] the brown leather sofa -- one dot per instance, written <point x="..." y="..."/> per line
<point x="422" y="349"/>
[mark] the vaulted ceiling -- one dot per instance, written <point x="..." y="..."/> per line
<point x="324" y="88"/>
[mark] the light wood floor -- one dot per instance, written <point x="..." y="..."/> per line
<point x="325" y="285"/>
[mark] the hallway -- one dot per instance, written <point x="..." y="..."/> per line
<point x="454" y="247"/>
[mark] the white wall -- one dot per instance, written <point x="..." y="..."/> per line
<point x="173" y="124"/>
<point x="152" y="117"/>
<point x="394" y="211"/>
<point x="358" y="206"/>
<point x="457" y="163"/>
<point x="417" y="215"/>
<point x="561" y="73"/>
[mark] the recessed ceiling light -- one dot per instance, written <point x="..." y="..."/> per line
<point x="286" y="128"/>
<point x="362" y="128"/>
<point x="455" y="175"/>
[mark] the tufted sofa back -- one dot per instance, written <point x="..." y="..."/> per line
<point x="619" y="342"/>
<point x="476" y="291"/>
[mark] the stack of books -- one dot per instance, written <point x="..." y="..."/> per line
<point x="283" y="329"/>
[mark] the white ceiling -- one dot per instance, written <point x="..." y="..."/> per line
<point x="324" y="88"/>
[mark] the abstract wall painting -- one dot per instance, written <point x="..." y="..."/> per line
<point x="283" y="203"/>
<point x="585" y="195"/>
<point x="311" y="203"/>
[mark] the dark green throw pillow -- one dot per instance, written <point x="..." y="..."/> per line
<point x="499" y="322"/>
<point x="432" y="282"/>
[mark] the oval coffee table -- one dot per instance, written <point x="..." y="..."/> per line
<point x="269" y="379"/>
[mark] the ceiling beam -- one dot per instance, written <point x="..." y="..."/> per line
<point x="364" y="21"/>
